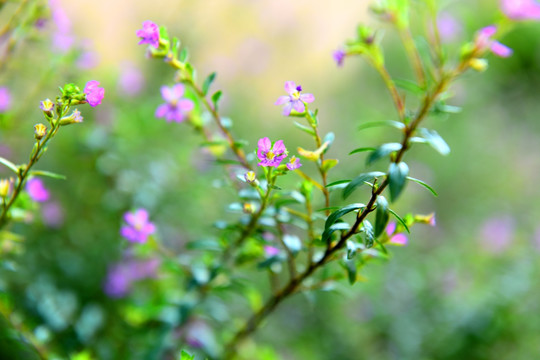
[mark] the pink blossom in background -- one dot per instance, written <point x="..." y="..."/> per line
<point x="271" y="250"/>
<point x="450" y="28"/>
<point x="94" y="93"/>
<point x="88" y="60"/>
<point x="521" y="9"/>
<point x="121" y="276"/>
<point x="270" y="155"/>
<point x="294" y="100"/>
<point x="5" y="99"/>
<point x="36" y="190"/>
<point x="131" y="80"/>
<point x="484" y="41"/>
<point x="396" y="239"/>
<point x="497" y="234"/>
<point x="63" y="39"/>
<point x="176" y="107"/>
<point x="149" y="34"/>
<point x="339" y="57"/>
<point x="294" y="163"/>
<point x="138" y="226"/>
<point x="52" y="214"/>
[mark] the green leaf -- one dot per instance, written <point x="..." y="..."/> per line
<point x="47" y="173"/>
<point x="184" y="355"/>
<point x="397" y="174"/>
<point x="382" y="151"/>
<point x="328" y="164"/>
<point x="391" y="123"/>
<point x="362" y="149"/>
<point x="336" y="183"/>
<point x="9" y="164"/>
<point x="215" y="99"/>
<point x="400" y="220"/>
<point x="420" y="182"/>
<point x="381" y="215"/>
<point x="214" y="143"/>
<point x="332" y="218"/>
<point x="351" y="249"/>
<point x="409" y="86"/>
<point x="208" y="82"/>
<point x="163" y="33"/>
<point x="369" y="235"/>
<point x="359" y="180"/>
<point x="175" y="46"/>
<point x="350" y="266"/>
<point x="184" y="55"/>
<point x="304" y="128"/>
<point x="435" y="140"/>
<point x="329" y="138"/>
<point x="327" y="233"/>
<point x="228" y="162"/>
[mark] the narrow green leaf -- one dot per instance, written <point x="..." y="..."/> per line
<point x="208" y="82"/>
<point x="400" y="220"/>
<point x="9" y="164"/>
<point x="331" y="208"/>
<point x="328" y="164"/>
<point x="327" y="233"/>
<point x="351" y="249"/>
<point x="391" y="123"/>
<point x="435" y="140"/>
<point x="350" y="266"/>
<point x="304" y="128"/>
<point x="214" y="143"/>
<point x="215" y="99"/>
<point x="228" y="162"/>
<point x="381" y="215"/>
<point x="163" y="33"/>
<point x="339" y="182"/>
<point x="369" y="235"/>
<point x="362" y="149"/>
<point x="397" y="174"/>
<point x="420" y="182"/>
<point x="382" y="151"/>
<point x="409" y="86"/>
<point x="359" y="180"/>
<point x="184" y="55"/>
<point x="48" y="174"/>
<point x="339" y="213"/>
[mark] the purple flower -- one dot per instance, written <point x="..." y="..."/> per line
<point x="294" y="100"/>
<point x="339" y="56"/>
<point x="521" y="9"/>
<point x="36" y="190"/>
<point x="396" y="239"/>
<point x="138" y="227"/>
<point x="94" y="94"/>
<point x="449" y="27"/>
<point x="484" y="42"/>
<point x="52" y="214"/>
<point x="122" y="275"/>
<point x="149" y="34"/>
<point x="5" y="99"/>
<point x="496" y="234"/>
<point x="271" y="250"/>
<point x="294" y="163"/>
<point x="131" y="79"/>
<point x="270" y="156"/>
<point x="62" y="38"/>
<point x="176" y="107"/>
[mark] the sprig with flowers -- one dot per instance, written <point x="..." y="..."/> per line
<point x="282" y="226"/>
<point x="57" y="114"/>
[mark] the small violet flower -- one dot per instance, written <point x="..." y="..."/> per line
<point x="36" y="190"/>
<point x="339" y="57"/>
<point x="5" y="99"/>
<point x="484" y="42"/>
<point x="294" y="163"/>
<point x="176" y="107"/>
<point x="396" y="239"/>
<point x="450" y="28"/>
<point x="294" y="100"/>
<point x="149" y="34"/>
<point x="94" y="94"/>
<point x="271" y="251"/>
<point x="271" y="155"/>
<point x="521" y="9"/>
<point x="121" y="276"/>
<point x="138" y="227"/>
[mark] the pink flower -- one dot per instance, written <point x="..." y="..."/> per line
<point x="271" y="250"/>
<point x="294" y="100"/>
<point x="396" y="239"/>
<point x="176" y="106"/>
<point x="339" y="57"/>
<point x="149" y="34"/>
<point x="484" y="42"/>
<point x="294" y="163"/>
<point x="271" y="155"/>
<point x="36" y="190"/>
<point x="497" y="234"/>
<point x="5" y="99"/>
<point x="121" y="276"/>
<point x="131" y="79"/>
<point x="138" y="227"/>
<point x="521" y="9"/>
<point x="94" y="94"/>
<point x="449" y="27"/>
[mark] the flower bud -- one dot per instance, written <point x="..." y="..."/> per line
<point x="248" y="208"/>
<point x="479" y="65"/>
<point x="47" y="106"/>
<point x="426" y="219"/>
<point x="250" y="177"/>
<point x="75" y="117"/>
<point x="40" y="131"/>
<point x="5" y="187"/>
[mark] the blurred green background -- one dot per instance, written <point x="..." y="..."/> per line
<point x="466" y="289"/>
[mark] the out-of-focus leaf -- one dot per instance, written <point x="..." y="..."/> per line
<point x="381" y="215"/>
<point x="410" y="86"/>
<point x="359" y="180"/>
<point x="184" y="355"/>
<point x="397" y="174"/>
<point x="327" y="233"/>
<point x="369" y="235"/>
<point x="328" y="164"/>
<point x="329" y="139"/>
<point x="400" y="220"/>
<point x="215" y="99"/>
<point x="435" y="140"/>
<point x="332" y="218"/>
<point x="9" y="164"/>
<point x="304" y="128"/>
<point x="208" y="82"/>
<point x="47" y="173"/>
<point x="362" y="149"/>
<point x="390" y="123"/>
<point x="350" y="266"/>
<point x="420" y="182"/>
<point x="382" y="151"/>
<point x="339" y="182"/>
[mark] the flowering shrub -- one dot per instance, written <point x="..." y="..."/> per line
<point x="297" y="215"/>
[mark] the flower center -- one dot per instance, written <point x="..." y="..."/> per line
<point x="296" y="95"/>
<point x="270" y="155"/>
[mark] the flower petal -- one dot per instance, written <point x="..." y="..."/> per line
<point x="299" y="106"/>
<point x="501" y="50"/>
<point x="264" y="144"/>
<point x="282" y="100"/>
<point x="279" y="147"/>
<point x="290" y="87"/>
<point x="287" y="109"/>
<point x="308" y="98"/>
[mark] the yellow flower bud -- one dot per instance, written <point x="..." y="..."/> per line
<point x="479" y="65"/>
<point x="5" y="187"/>
<point x="40" y="131"/>
<point x="250" y="176"/>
